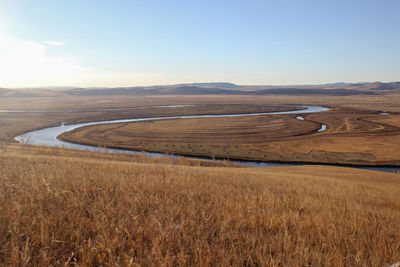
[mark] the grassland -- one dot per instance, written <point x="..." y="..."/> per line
<point x="360" y="138"/>
<point x="12" y="124"/>
<point x="58" y="209"/>
<point x="66" y="207"/>
<point x="352" y="137"/>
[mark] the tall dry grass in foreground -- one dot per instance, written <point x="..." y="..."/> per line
<point x="57" y="210"/>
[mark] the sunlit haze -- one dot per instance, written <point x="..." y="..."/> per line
<point x="128" y="43"/>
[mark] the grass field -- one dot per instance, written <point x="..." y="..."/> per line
<point x="68" y="207"/>
<point x="352" y="137"/>
<point x="12" y="124"/>
<point x="61" y="208"/>
<point x="355" y="134"/>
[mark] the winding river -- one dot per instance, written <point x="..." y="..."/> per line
<point x="48" y="136"/>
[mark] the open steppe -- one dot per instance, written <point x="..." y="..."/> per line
<point x="356" y="133"/>
<point x="57" y="207"/>
<point x="60" y="206"/>
<point x="27" y="115"/>
<point x="74" y="109"/>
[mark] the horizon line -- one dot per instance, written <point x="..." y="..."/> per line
<point x="191" y="83"/>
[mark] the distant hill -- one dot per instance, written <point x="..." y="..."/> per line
<point x="335" y="89"/>
<point x="331" y="89"/>
<point x="28" y="93"/>
<point x="387" y="86"/>
<point x="213" y="85"/>
<point x="194" y="90"/>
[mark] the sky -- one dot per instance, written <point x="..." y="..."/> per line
<point x="147" y="42"/>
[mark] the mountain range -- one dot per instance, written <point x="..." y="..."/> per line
<point x="334" y="89"/>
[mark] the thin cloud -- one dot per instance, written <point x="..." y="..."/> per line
<point x="56" y="43"/>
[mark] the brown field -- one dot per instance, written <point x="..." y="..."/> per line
<point x="58" y="209"/>
<point x="355" y="135"/>
<point x="15" y="123"/>
<point x="352" y="137"/>
<point x="12" y="124"/>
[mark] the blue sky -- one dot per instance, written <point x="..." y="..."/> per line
<point x="122" y="43"/>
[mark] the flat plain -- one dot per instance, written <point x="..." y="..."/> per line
<point x="357" y="138"/>
<point x="356" y="133"/>
<point x="69" y="207"/>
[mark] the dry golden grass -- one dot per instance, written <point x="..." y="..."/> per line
<point x="141" y="157"/>
<point x="57" y="210"/>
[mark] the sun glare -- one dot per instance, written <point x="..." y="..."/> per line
<point x="26" y="63"/>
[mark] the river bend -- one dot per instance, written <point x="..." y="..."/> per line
<point x="48" y="136"/>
